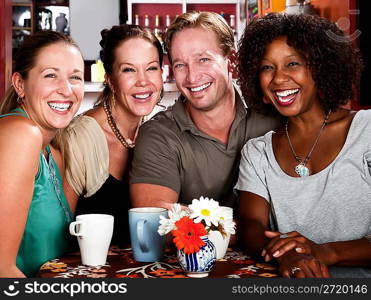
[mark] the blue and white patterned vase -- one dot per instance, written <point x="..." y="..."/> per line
<point x="200" y="263"/>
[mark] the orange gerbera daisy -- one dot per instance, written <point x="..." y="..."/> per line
<point x="187" y="235"/>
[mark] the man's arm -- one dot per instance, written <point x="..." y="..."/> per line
<point x="144" y="194"/>
<point x="154" y="177"/>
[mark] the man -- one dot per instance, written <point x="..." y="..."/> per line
<point x="193" y="148"/>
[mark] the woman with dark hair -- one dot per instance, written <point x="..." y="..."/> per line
<point x="98" y="145"/>
<point x="305" y="189"/>
<point x="46" y="92"/>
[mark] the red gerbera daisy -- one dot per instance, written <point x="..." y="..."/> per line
<point x="187" y="235"/>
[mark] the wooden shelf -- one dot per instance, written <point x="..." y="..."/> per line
<point x="52" y="4"/>
<point x="22" y="4"/>
<point x="21" y="28"/>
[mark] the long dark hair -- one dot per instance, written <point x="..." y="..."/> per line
<point x="113" y="38"/>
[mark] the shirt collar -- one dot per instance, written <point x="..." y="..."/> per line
<point x="184" y="121"/>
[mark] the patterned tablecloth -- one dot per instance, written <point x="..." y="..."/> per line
<point x="121" y="264"/>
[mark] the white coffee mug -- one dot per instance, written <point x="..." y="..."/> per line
<point x="94" y="234"/>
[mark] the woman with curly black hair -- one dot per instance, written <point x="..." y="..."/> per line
<point x="305" y="189"/>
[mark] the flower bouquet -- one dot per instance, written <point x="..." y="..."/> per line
<point x="192" y="228"/>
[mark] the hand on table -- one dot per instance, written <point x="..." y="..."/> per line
<point x="297" y="265"/>
<point x="282" y="243"/>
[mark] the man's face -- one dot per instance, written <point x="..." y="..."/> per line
<point x="200" y="68"/>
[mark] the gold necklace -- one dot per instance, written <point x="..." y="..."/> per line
<point x="127" y="143"/>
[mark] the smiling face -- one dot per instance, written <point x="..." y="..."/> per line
<point x="54" y="87"/>
<point x="286" y="80"/>
<point x="200" y="68"/>
<point x="136" y="76"/>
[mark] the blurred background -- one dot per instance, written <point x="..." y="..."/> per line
<point x="84" y="19"/>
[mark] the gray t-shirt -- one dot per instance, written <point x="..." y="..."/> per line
<point x="332" y="205"/>
<point x="170" y="151"/>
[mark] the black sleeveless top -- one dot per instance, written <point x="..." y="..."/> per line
<point x="112" y="198"/>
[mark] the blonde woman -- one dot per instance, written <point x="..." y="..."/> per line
<point x="47" y="89"/>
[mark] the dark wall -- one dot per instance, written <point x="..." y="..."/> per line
<point x="364" y="14"/>
<point x="5" y="45"/>
<point x="123" y="11"/>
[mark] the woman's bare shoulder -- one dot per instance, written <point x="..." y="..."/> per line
<point x="98" y="114"/>
<point x="20" y="128"/>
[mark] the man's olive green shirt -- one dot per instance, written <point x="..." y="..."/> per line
<point x="170" y="151"/>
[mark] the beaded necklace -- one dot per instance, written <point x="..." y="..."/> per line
<point x="127" y="143"/>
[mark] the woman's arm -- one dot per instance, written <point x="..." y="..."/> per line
<point x="253" y="222"/>
<point x="351" y="253"/>
<point x="355" y="253"/>
<point x="20" y="146"/>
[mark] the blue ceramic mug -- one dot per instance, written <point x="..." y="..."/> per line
<point x="147" y="244"/>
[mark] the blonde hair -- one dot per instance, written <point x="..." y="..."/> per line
<point x="206" y="20"/>
<point x="25" y="60"/>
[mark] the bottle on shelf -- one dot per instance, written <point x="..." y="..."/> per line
<point x="136" y="20"/>
<point x="146" y="21"/>
<point x="167" y="22"/>
<point x="157" y="31"/>
<point x="232" y="23"/>
<point x="222" y="14"/>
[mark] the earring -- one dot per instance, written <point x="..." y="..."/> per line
<point x="19" y="100"/>
<point x="113" y="99"/>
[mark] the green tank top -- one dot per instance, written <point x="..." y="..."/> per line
<point x="46" y="232"/>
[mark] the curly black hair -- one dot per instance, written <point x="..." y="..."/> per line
<point x="335" y="65"/>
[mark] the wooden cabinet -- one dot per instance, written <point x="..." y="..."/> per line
<point x="52" y="15"/>
<point x="23" y="23"/>
<point x="33" y="15"/>
<point x="5" y="45"/>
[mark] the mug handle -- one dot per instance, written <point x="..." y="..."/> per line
<point x="140" y="234"/>
<point x="73" y="228"/>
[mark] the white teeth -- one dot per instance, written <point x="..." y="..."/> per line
<point x="142" y="96"/>
<point x="200" y="88"/>
<point x="59" y="106"/>
<point x="286" y="93"/>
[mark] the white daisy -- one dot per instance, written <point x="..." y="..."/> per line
<point x="205" y="209"/>
<point x="175" y="214"/>
<point x="225" y="212"/>
<point x="166" y="225"/>
<point x="229" y="226"/>
<point x="226" y="219"/>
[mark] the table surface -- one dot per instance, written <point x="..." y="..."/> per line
<point x="121" y="264"/>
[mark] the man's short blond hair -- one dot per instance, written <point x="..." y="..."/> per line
<point x="206" y="20"/>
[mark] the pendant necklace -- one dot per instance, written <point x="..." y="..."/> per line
<point x="301" y="169"/>
<point x="127" y="143"/>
